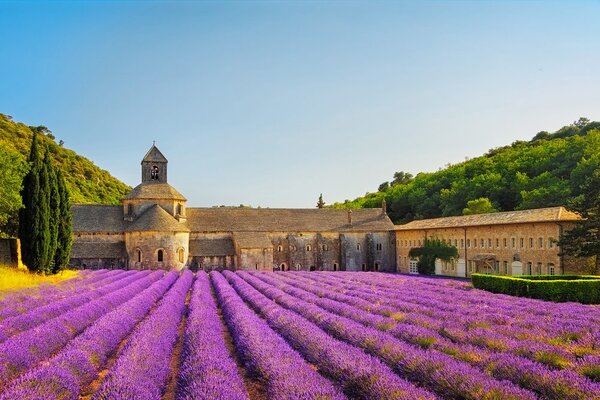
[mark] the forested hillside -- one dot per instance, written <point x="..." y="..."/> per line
<point x="545" y="171"/>
<point x="86" y="182"/>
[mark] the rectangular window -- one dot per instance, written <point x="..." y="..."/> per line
<point x="497" y="243"/>
<point x="551" y="269"/>
<point x="462" y="243"/>
<point x="539" y="269"/>
<point x="541" y="243"/>
<point x="489" y="243"/>
<point x="469" y="243"/>
<point x="482" y="242"/>
<point x="522" y="242"/>
<point x="475" y="243"/>
<point x="455" y="243"/>
<point x="550" y="243"/>
<point x="505" y="243"/>
<point x="531" y="243"/>
<point x="513" y="242"/>
<point x="505" y="267"/>
<point x="412" y="267"/>
<point x="529" y="268"/>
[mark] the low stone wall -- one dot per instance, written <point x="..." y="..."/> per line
<point x="10" y="252"/>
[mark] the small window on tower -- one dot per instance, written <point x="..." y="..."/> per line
<point x="154" y="173"/>
<point x="160" y="256"/>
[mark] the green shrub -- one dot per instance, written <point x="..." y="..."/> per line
<point x="559" y="288"/>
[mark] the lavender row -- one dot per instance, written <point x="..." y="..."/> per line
<point x="478" y="331"/>
<point x="65" y="375"/>
<point x="24" y="350"/>
<point x="359" y="374"/>
<point x="285" y="373"/>
<point x="143" y="367"/>
<point x="534" y="376"/>
<point x="425" y="368"/>
<point x="22" y="301"/>
<point x="208" y="370"/>
<point x="445" y="323"/>
<point x="12" y="326"/>
<point x="530" y="311"/>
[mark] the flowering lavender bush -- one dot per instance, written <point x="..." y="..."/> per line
<point x="16" y="324"/>
<point x="208" y="370"/>
<point x="79" y="363"/>
<point x="285" y="373"/>
<point x="143" y="367"/>
<point x="20" y="352"/>
<point x="359" y="374"/>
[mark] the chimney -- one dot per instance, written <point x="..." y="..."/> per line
<point x="349" y="217"/>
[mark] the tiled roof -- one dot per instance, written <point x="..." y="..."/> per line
<point x="154" y="155"/>
<point x="98" y="250"/>
<point x="251" y="240"/>
<point x="212" y="247"/>
<point x="225" y="219"/>
<point x="551" y="214"/>
<point x="97" y="218"/>
<point x="154" y="191"/>
<point x="156" y="219"/>
<point x="100" y="218"/>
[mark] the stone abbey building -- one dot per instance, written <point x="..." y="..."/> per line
<point x="154" y="228"/>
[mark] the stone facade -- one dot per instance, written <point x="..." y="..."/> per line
<point x="510" y="243"/>
<point x="10" y="253"/>
<point x="154" y="229"/>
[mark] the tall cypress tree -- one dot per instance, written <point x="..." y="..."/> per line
<point x="53" y="208"/>
<point x="65" y="226"/>
<point x="34" y="230"/>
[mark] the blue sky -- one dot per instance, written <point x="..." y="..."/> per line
<point x="271" y="103"/>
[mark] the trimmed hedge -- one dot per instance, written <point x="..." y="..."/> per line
<point x="559" y="288"/>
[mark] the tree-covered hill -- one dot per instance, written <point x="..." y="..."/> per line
<point x="543" y="172"/>
<point x="86" y="182"/>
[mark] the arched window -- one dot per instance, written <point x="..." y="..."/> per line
<point x="298" y="267"/>
<point x="358" y="246"/>
<point x="138" y="255"/>
<point x="335" y="267"/>
<point x="376" y="266"/>
<point x="280" y="248"/>
<point x="312" y="268"/>
<point x="179" y="209"/>
<point x="308" y="248"/>
<point x="324" y="247"/>
<point x="180" y="254"/>
<point x="283" y="267"/>
<point x="154" y="173"/>
<point x="364" y="267"/>
<point x="160" y="256"/>
<point x="130" y="209"/>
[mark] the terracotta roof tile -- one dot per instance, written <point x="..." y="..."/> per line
<point x="97" y="218"/>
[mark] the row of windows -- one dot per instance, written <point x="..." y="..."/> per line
<point x="284" y="267"/>
<point x="483" y="243"/>
<point x="528" y="269"/>
<point x="160" y="255"/>
<point x="324" y="247"/>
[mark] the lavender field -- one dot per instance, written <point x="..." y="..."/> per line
<point x="291" y="335"/>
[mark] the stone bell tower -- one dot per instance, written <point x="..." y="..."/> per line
<point x="154" y="166"/>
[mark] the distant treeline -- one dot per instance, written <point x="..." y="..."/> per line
<point x="543" y="172"/>
<point x="86" y="182"/>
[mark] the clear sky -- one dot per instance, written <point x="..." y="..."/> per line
<point x="271" y="103"/>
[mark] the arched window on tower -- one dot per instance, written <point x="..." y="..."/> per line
<point x="138" y="255"/>
<point x="160" y="256"/>
<point x="154" y="173"/>
<point x="130" y="209"/>
<point x="179" y="209"/>
<point x="180" y="254"/>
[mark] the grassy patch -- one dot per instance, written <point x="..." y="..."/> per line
<point x="14" y="279"/>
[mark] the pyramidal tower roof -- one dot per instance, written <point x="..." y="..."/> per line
<point x="154" y="155"/>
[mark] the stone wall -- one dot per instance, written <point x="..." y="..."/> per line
<point x="516" y="249"/>
<point x="144" y="249"/>
<point x="10" y="252"/>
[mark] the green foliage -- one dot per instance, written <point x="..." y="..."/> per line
<point x="85" y="182"/>
<point x="12" y="172"/>
<point x="546" y="171"/>
<point x="320" y="202"/>
<point x="34" y="229"/>
<point x="559" y="288"/>
<point x="584" y="239"/>
<point x="65" y="226"/>
<point x="53" y="210"/>
<point x="482" y="205"/>
<point x="432" y="249"/>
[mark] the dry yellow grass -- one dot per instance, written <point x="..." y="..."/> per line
<point x="14" y="279"/>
